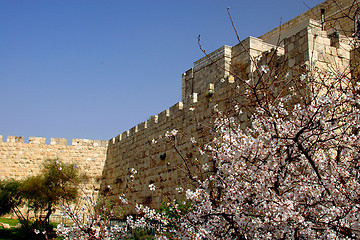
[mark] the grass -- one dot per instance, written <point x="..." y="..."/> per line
<point x="11" y="234"/>
<point x="11" y="222"/>
<point x="17" y="233"/>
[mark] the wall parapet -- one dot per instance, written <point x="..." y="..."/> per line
<point x="55" y="141"/>
<point x="152" y="122"/>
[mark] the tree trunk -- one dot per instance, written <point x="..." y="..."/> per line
<point x="48" y="214"/>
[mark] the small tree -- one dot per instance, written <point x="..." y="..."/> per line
<point x="57" y="183"/>
<point x="40" y="194"/>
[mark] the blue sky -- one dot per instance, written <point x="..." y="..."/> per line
<point x="93" y="69"/>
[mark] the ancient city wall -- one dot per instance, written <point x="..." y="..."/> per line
<point x="160" y="163"/>
<point x="19" y="160"/>
<point x="305" y="46"/>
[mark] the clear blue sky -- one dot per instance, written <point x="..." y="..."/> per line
<point x="93" y="69"/>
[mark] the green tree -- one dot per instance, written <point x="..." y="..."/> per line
<point x="57" y="183"/>
<point x="10" y="197"/>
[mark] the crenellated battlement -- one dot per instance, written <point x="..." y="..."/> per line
<point x="152" y="123"/>
<point x="54" y="141"/>
<point x="213" y="72"/>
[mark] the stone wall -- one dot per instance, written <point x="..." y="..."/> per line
<point x="19" y="160"/>
<point x="205" y="85"/>
<point x="206" y="70"/>
<point x="305" y="45"/>
<point x="313" y="48"/>
<point x="158" y="163"/>
<point x="334" y="20"/>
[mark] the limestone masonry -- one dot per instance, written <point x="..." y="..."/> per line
<point x="315" y="39"/>
<point x="19" y="160"/>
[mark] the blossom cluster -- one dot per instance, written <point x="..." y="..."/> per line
<point x="90" y="219"/>
<point x="294" y="173"/>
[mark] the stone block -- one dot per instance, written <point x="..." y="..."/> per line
<point x="290" y="47"/>
<point x="58" y="141"/>
<point x="291" y="62"/>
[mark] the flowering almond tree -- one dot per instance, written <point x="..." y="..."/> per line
<point x="293" y="173"/>
<point x="290" y="170"/>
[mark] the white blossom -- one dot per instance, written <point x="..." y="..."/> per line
<point x="133" y="171"/>
<point x="205" y="167"/>
<point x="264" y="68"/>
<point x="152" y="187"/>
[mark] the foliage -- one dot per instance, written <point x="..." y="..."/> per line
<point x="10" y="196"/>
<point x="57" y="183"/>
<point x="108" y="209"/>
<point x="12" y="234"/>
<point x="25" y="231"/>
<point x="183" y="207"/>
